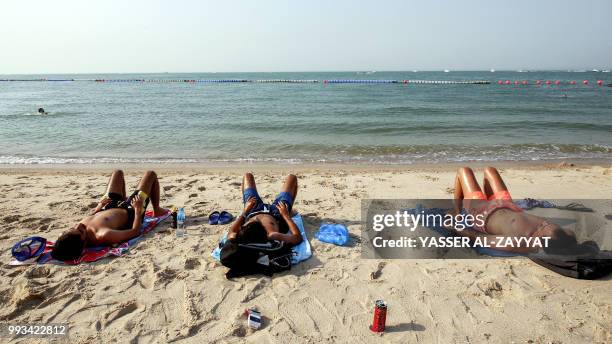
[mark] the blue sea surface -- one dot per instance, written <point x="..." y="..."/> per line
<point x="165" y="122"/>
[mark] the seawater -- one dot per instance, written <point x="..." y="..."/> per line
<point x="93" y="122"/>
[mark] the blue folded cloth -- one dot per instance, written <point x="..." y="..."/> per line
<point x="333" y="233"/>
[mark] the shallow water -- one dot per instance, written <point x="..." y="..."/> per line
<point x="93" y="122"/>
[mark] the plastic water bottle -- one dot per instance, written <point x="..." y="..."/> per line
<point x="180" y="223"/>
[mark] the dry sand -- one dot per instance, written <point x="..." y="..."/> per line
<point x="169" y="289"/>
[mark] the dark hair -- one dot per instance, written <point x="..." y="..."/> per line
<point x="565" y="244"/>
<point x="69" y="246"/>
<point x="252" y="232"/>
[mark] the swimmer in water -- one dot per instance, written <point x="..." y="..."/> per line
<point x="42" y="111"/>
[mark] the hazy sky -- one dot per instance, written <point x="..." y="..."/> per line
<point x="77" y="36"/>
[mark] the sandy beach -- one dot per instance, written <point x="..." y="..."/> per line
<point x="169" y="289"/>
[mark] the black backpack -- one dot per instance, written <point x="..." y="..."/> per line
<point x="255" y="258"/>
<point x="590" y="266"/>
<point x="579" y="268"/>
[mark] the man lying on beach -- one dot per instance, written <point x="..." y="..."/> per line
<point x="502" y="218"/>
<point x="261" y="222"/>
<point x="116" y="218"/>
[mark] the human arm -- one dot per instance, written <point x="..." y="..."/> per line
<point x="240" y="220"/>
<point x="107" y="236"/>
<point x="294" y="236"/>
<point x="103" y="202"/>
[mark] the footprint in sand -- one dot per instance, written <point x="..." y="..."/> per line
<point x="310" y="316"/>
<point x="59" y="205"/>
<point x="192" y="263"/>
<point x="10" y="218"/>
<point x="146" y="276"/>
<point x="122" y="310"/>
<point x="255" y="291"/>
<point x="166" y="276"/>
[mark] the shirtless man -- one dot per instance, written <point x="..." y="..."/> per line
<point x="502" y="218"/>
<point x="116" y="218"/>
<point x="261" y="222"/>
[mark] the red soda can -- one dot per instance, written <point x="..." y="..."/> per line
<point x="380" y="316"/>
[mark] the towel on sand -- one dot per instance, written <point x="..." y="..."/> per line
<point x="92" y="254"/>
<point x="301" y="252"/>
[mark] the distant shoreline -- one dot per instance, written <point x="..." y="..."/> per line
<point x="267" y="166"/>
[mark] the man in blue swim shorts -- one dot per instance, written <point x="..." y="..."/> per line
<point x="261" y="222"/>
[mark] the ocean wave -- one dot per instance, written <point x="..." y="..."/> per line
<point x="46" y="160"/>
<point x="356" y="154"/>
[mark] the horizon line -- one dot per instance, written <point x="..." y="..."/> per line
<point x="491" y="70"/>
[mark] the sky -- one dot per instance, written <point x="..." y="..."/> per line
<point x="109" y="36"/>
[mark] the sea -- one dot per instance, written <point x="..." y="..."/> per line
<point x="192" y="118"/>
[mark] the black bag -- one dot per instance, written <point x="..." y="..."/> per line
<point x="251" y="259"/>
<point x="587" y="267"/>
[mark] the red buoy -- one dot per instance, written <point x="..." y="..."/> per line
<point x="557" y="82"/>
<point x="547" y="82"/>
<point x="586" y="82"/>
<point x="499" y="82"/>
<point x="600" y="82"/>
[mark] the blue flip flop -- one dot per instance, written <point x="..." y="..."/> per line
<point x="213" y="218"/>
<point x="225" y="218"/>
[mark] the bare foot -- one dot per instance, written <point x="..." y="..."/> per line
<point x="159" y="211"/>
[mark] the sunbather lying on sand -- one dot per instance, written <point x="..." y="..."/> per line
<point x="502" y="218"/>
<point x="261" y="222"/>
<point x="115" y="219"/>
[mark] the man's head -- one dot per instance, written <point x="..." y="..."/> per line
<point x="70" y="245"/>
<point x="252" y="232"/>
<point x="563" y="241"/>
<point x="41" y="110"/>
